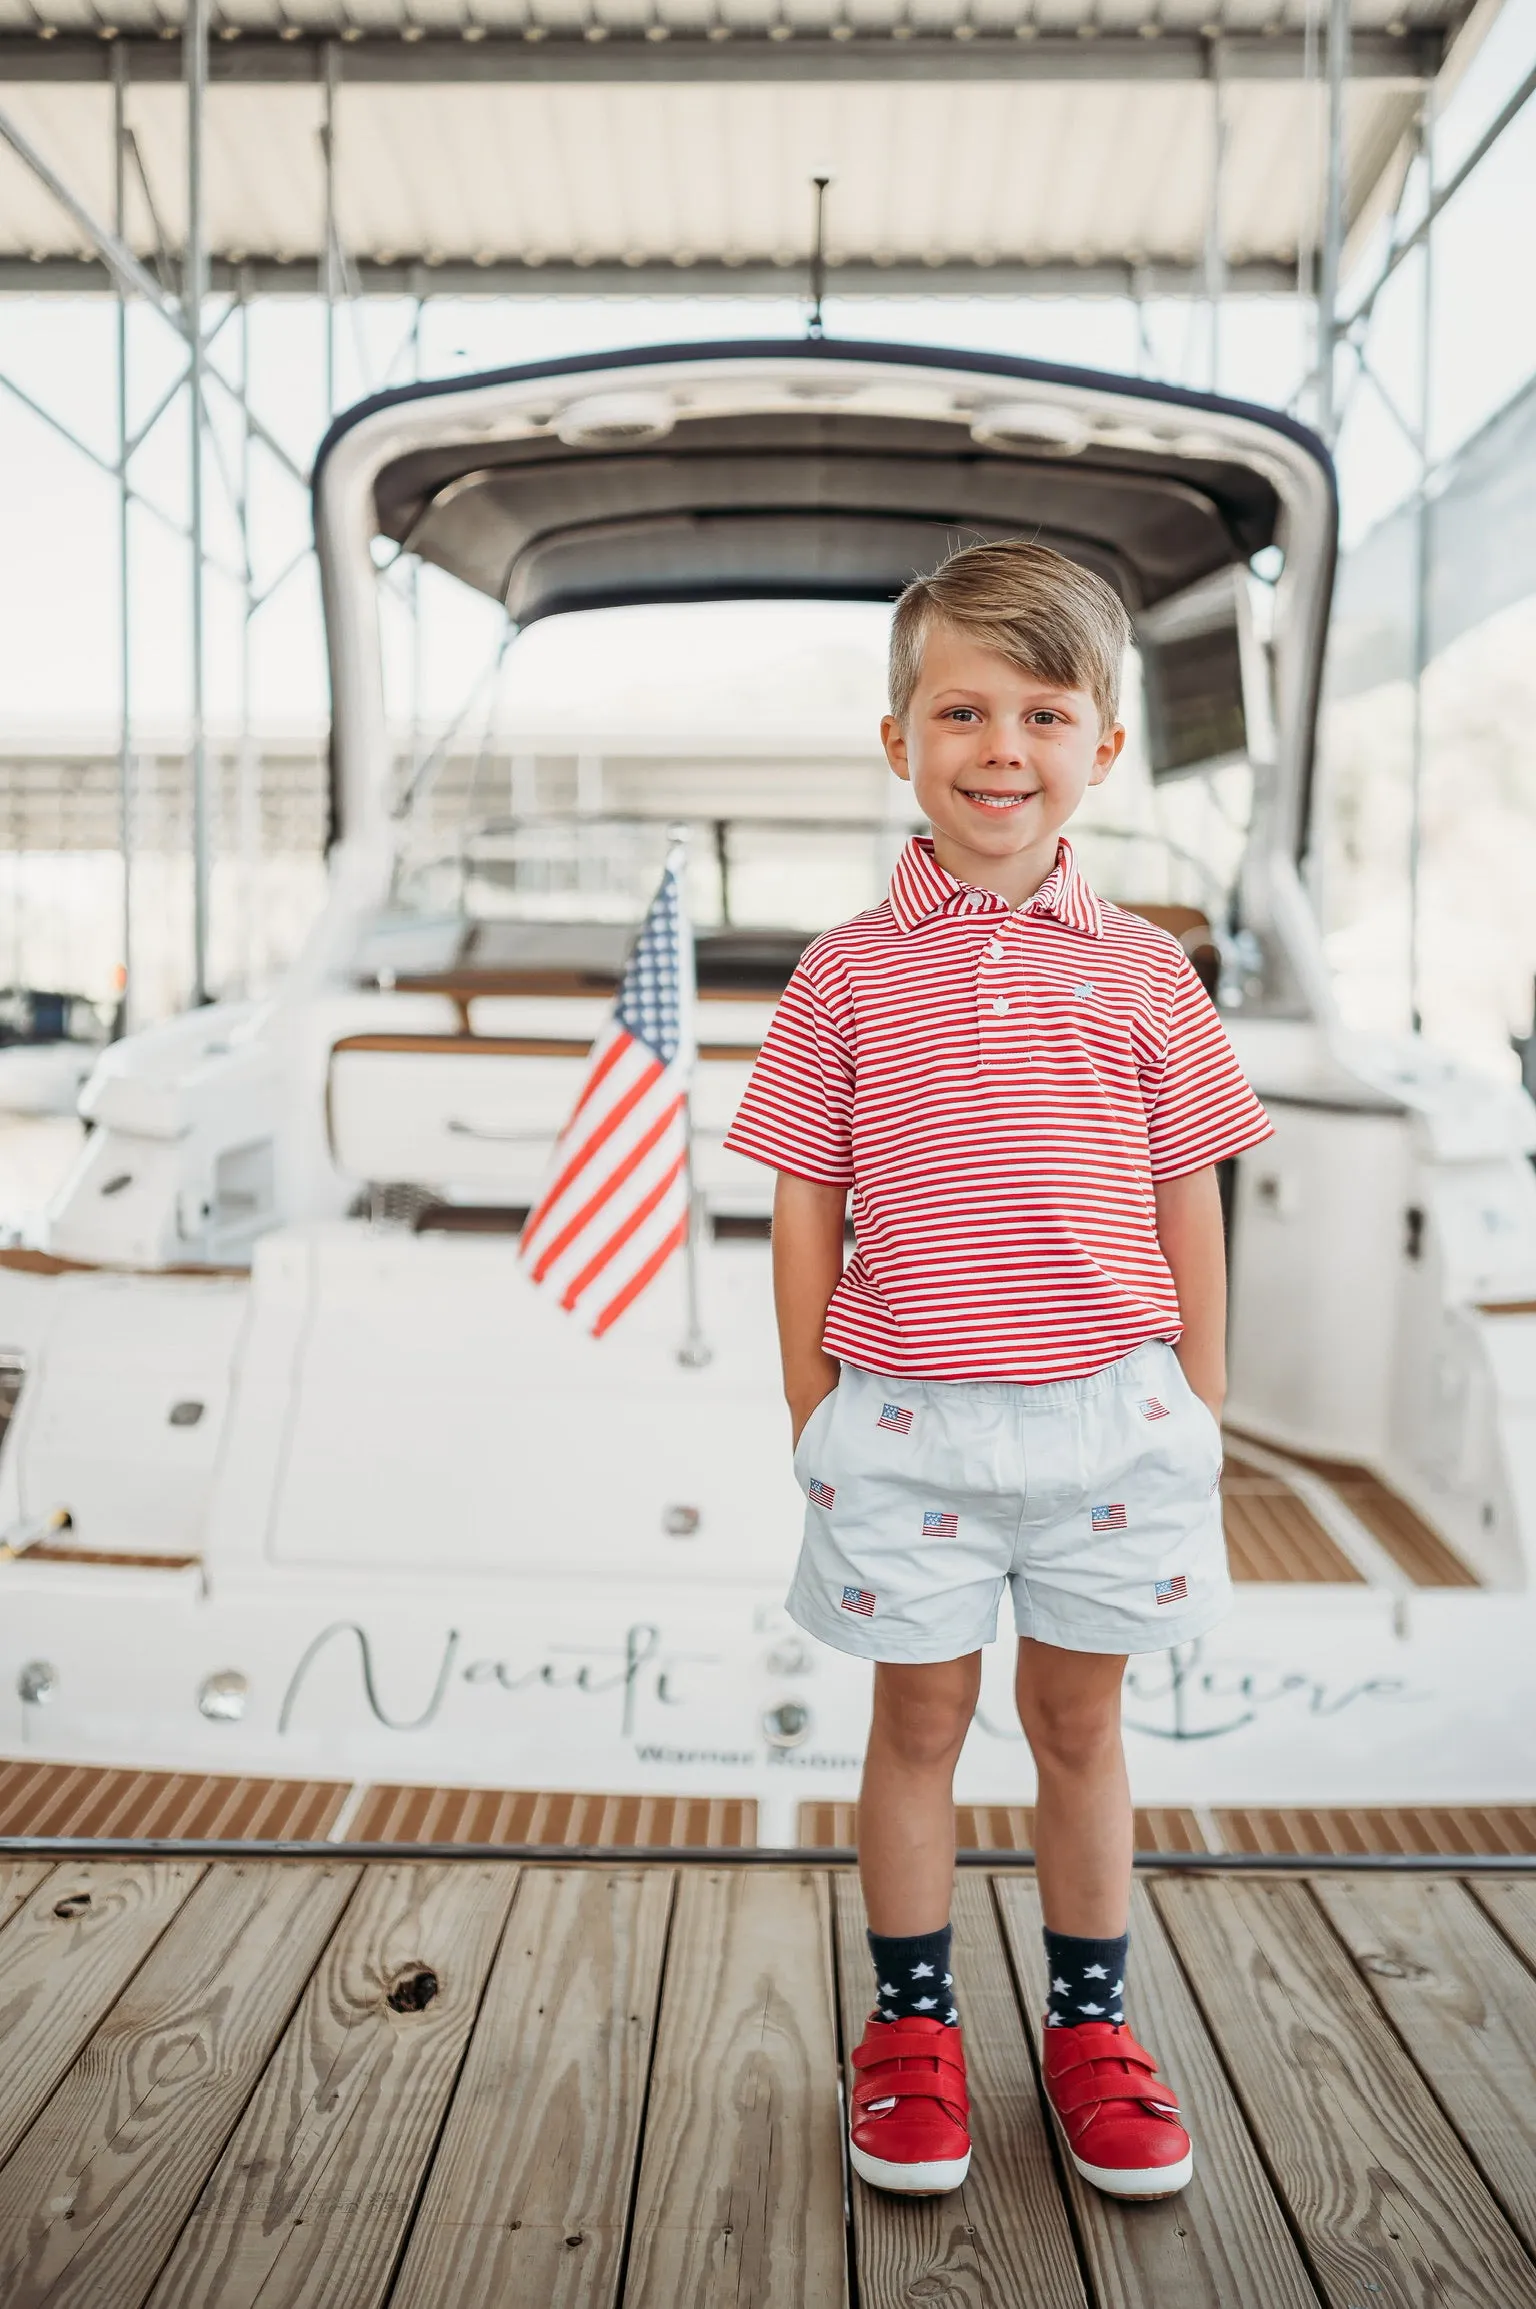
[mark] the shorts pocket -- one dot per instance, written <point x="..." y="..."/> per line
<point x="816" y="1426"/>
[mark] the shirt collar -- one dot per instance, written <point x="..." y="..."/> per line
<point x="921" y="887"/>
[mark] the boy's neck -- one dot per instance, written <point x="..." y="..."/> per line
<point x="1014" y="879"/>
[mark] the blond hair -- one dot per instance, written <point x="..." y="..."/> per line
<point x="1042" y="612"/>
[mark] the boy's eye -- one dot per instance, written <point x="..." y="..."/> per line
<point x="962" y="713"/>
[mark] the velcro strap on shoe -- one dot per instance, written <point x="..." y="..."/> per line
<point x="907" y="2084"/>
<point x="940" y="2044"/>
<point x="1106" y="2079"/>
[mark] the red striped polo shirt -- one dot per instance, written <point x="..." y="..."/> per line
<point x="1000" y="1086"/>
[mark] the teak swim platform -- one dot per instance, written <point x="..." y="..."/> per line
<point x="474" y="2081"/>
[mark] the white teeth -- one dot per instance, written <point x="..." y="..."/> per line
<point x="997" y="801"/>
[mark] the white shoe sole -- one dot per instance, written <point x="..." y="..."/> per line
<point x="1150" y="2181"/>
<point x="931" y="2180"/>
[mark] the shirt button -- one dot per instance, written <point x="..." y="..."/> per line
<point x="1001" y="1006"/>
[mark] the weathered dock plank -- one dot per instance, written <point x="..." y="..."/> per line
<point x="309" y="2205"/>
<point x="740" y="2196"/>
<point x="530" y="2193"/>
<point x="17" y="1879"/>
<point x="1465" y="2007"/>
<point x="1005" y="2236"/>
<point x="1388" y="2204"/>
<point x="1222" y="2242"/>
<point x="1511" y="1902"/>
<point x="98" y="2191"/>
<point x="65" y="1957"/>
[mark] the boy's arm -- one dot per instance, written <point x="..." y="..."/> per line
<point x="1189" y="1232"/>
<point x="807" y="1264"/>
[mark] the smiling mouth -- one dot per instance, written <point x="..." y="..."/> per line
<point x="995" y="801"/>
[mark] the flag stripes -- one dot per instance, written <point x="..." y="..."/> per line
<point x="616" y="1208"/>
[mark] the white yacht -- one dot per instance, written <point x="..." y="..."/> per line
<point x="301" y="1477"/>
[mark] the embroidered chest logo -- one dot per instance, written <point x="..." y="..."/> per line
<point x="1085" y="990"/>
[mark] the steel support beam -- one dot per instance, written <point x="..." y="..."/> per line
<point x="1423" y="573"/>
<point x="1408" y="58"/>
<point x="459" y="277"/>
<point x="1335" y="210"/>
<point x="194" y="291"/>
<point x="124" y="540"/>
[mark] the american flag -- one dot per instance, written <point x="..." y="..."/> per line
<point x="616" y="1206"/>
<point x="1109" y="1518"/>
<point x="896" y="1419"/>
<point x="822" y="1493"/>
<point x="939" y="1523"/>
<point x="1171" y="1590"/>
<point x="860" y="1600"/>
<point x="1152" y="1409"/>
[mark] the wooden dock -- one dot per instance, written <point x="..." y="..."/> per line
<point x="470" y="2083"/>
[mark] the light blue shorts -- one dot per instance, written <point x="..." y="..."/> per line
<point x="1095" y="1500"/>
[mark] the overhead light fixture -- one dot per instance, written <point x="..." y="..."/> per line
<point x="617" y="420"/>
<point x="1030" y="425"/>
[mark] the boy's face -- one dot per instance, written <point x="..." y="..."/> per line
<point x="997" y="758"/>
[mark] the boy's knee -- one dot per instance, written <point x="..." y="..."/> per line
<point x="923" y="1715"/>
<point x="1072" y="1733"/>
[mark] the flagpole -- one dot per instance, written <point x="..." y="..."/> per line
<point x="695" y="1351"/>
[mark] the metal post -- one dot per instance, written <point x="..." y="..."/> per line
<point x="194" y="288"/>
<point x="328" y="253"/>
<point x="250" y="799"/>
<point x="1215" y="260"/>
<point x="418" y="639"/>
<point x="1422" y="573"/>
<point x="1334" y="208"/>
<point x="124" y="610"/>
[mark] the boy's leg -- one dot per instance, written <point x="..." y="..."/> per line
<point x="907" y="2128"/>
<point x="906" y="1804"/>
<point x="907" y="1829"/>
<point x="1069" y="1706"/>
<point x="1120" y="2120"/>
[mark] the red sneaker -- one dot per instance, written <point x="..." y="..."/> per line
<point x="1120" y="2121"/>
<point x="908" y="2130"/>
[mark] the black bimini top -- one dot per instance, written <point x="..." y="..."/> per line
<point x="824" y="503"/>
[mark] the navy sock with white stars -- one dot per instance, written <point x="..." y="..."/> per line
<point x="1087" y="1979"/>
<point x="912" y="1976"/>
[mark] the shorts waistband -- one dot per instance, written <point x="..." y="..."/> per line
<point x="1140" y="1367"/>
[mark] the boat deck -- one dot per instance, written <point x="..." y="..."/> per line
<point x="457" y="2082"/>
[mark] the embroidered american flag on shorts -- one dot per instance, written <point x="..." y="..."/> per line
<point x="1171" y="1590"/>
<point x="1110" y="1518"/>
<point x="860" y="1600"/>
<point x="940" y="1523"/>
<point x="896" y="1419"/>
<point x="1150" y="1408"/>
<point x="822" y="1493"/>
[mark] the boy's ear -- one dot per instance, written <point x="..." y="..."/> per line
<point x="1107" y="754"/>
<point x="894" y="739"/>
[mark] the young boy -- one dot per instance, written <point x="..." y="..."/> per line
<point x="1017" y="1378"/>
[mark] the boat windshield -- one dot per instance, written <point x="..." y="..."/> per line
<point x="514" y="846"/>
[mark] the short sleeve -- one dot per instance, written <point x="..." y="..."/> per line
<point x="797" y="1114"/>
<point x="1200" y="1109"/>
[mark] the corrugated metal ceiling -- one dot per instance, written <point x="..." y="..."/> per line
<point x="660" y="149"/>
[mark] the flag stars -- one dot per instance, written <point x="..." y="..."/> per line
<point x="1095" y="1972"/>
<point x="1061" y="1987"/>
<point x="1093" y="2010"/>
<point x="926" y="2003"/>
<point x="922" y="1972"/>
